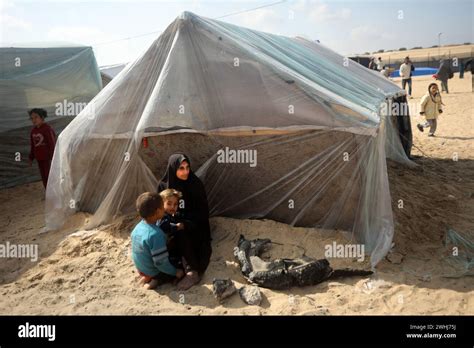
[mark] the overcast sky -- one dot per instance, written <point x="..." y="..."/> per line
<point x="345" y="26"/>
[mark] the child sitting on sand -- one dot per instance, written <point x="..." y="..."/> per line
<point x="180" y="242"/>
<point x="149" y="252"/>
<point x="430" y="107"/>
<point x="170" y="225"/>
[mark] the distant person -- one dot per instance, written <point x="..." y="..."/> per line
<point x="372" y="64"/>
<point x="405" y="74"/>
<point x="461" y="69"/>
<point x="42" y="142"/>
<point x="469" y="66"/>
<point x="385" y="71"/>
<point x="379" y="64"/>
<point x="444" y="73"/>
<point x="431" y="107"/>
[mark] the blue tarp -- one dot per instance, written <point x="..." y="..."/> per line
<point x="417" y="72"/>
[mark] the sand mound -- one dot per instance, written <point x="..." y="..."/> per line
<point x="91" y="266"/>
<point x="90" y="272"/>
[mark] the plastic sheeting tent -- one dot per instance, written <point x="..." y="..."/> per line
<point x="108" y="72"/>
<point x="40" y="77"/>
<point x="314" y="119"/>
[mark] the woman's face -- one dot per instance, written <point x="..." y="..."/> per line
<point x="434" y="89"/>
<point x="183" y="171"/>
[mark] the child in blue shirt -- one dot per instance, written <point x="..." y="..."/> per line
<point x="149" y="252"/>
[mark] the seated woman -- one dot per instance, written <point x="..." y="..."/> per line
<point x="194" y="241"/>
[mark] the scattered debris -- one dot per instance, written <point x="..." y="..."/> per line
<point x="460" y="253"/>
<point x="285" y="273"/>
<point x="223" y="288"/>
<point x="395" y="258"/>
<point x="251" y="295"/>
<point x="231" y="264"/>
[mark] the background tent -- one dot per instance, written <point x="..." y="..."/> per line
<point x="40" y="77"/>
<point x="362" y="60"/>
<point x="316" y="119"/>
<point x="108" y="72"/>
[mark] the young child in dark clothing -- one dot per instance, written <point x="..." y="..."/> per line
<point x="42" y="140"/>
<point x="171" y="226"/>
<point x="178" y="231"/>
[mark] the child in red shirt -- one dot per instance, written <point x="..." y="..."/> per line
<point x="43" y="140"/>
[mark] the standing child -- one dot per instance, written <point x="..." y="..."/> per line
<point x="149" y="252"/>
<point x="431" y="107"/>
<point x="42" y="141"/>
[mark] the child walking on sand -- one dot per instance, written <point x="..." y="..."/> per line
<point x="42" y="142"/>
<point x="149" y="252"/>
<point x="430" y="106"/>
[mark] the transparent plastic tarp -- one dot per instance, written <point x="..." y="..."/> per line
<point x="314" y="120"/>
<point x="460" y="253"/>
<point x="40" y="77"/>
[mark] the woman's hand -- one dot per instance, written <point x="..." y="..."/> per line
<point x="180" y="226"/>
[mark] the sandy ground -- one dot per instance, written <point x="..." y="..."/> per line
<point x="91" y="272"/>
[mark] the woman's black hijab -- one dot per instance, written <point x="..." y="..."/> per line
<point x="194" y="196"/>
<point x="170" y="180"/>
